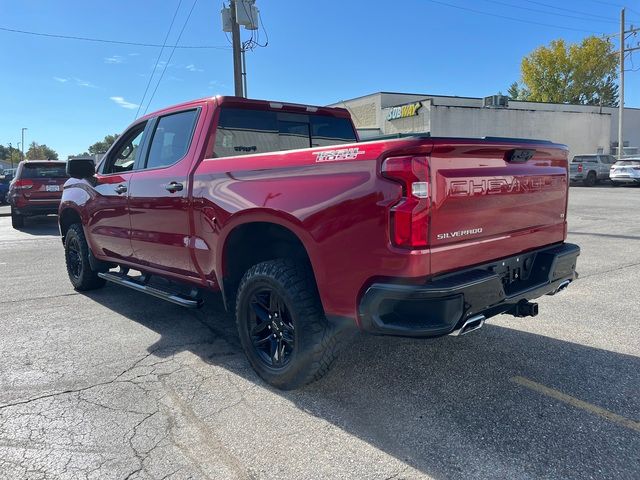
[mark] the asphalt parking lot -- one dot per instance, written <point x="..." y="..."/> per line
<point x="114" y="384"/>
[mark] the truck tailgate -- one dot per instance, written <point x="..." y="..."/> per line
<point x="490" y="201"/>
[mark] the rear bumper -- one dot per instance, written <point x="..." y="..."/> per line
<point x="33" y="208"/>
<point x="625" y="180"/>
<point x="446" y="302"/>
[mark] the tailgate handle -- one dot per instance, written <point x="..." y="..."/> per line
<point x="519" y="155"/>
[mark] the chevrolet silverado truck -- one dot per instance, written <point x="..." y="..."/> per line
<point x="307" y="232"/>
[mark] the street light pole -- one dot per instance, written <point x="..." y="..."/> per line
<point x="23" y="129"/>
<point x="621" y="90"/>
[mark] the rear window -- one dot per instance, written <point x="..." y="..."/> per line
<point x="244" y="131"/>
<point x="585" y="158"/>
<point x="628" y="162"/>
<point x="42" y="170"/>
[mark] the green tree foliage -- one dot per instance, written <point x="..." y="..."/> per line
<point x="7" y="155"/>
<point x="103" y="145"/>
<point x="40" y="152"/>
<point x="582" y="73"/>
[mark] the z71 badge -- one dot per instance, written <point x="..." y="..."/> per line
<point x="340" y="154"/>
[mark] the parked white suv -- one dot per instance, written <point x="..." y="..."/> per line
<point x="625" y="172"/>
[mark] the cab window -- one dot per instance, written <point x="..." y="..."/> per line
<point x="171" y="139"/>
<point x="127" y="148"/>
<point x="245" y="131"/>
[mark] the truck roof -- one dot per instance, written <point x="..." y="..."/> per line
<point x="231" y="101"/>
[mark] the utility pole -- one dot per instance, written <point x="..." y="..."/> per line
<point x="244" y="72"/>
<point x="624" y="49"/>
<point x="237" y="59"/>
<point x="621" y="89"/>
<point x="11" y="154"/>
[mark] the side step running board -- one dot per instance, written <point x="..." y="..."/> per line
<point x="178" y="299"/>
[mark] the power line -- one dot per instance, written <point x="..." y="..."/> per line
<point x="171" y="55"/>
<point x="103" y="40"/>
<point x="515" y="19"/>
<point x="537" y="10"/>
<point x="153" y="72"/>
<point x="572" y="11"/>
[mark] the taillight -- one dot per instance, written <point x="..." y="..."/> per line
<point x="23" y="184"/>
<point x="579" y="168"/>
<point x="409" y="218"/>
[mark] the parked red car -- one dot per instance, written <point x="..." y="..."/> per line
<point x="36" y="189"/>
<point x="307" y="231"/>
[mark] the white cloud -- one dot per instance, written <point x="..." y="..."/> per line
<point x="192" y="68"/>
<point x="123" y="103"/>
<point x="113" y="59"/>
<point x="60" y="79"/>
<point x="83" y="83"/>
<point x="133" y="54"/>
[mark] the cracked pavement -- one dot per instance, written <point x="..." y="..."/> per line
<point x="117" y="385"/>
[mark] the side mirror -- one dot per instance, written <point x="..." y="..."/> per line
<point x="82" y="168"/>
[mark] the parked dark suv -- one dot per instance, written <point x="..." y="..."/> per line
<point x="5" y="180"/>
<point x="36" y="189"/>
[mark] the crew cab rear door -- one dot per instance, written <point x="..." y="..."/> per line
<point x="493" y="199"/>
<point x="159" y="200"/>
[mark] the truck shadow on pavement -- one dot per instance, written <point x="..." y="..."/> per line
<point x="41" y="225"/>
<point x="449" y="407"/>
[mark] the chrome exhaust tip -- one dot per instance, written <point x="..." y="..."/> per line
<point x="563" y="285"/>
<point x="472" y="323"/>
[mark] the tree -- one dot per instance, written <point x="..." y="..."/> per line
<point x="582" y="73"/>
<point x="40" y="152"/>
<point x="516" y="92"/>
<point x="103" y="146"/>
<point x="79" y="155"/>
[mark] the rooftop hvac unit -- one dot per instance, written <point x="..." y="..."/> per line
<point x="496" y="101"/>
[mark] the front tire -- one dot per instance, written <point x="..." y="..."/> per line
<point x="76" y="254"/>
<point x="282" y="327"/>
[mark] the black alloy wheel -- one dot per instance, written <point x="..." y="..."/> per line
<point x="74" y="259"/>
<point x="271" y="328"/>
<point x="76" y="255"/>
<point x="282" y="327"/>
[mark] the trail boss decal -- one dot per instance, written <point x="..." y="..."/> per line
<point x="340" y="154"/>
<point x="459" y="233"/>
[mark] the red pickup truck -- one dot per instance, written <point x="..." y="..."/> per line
<point x="306" y="231"/>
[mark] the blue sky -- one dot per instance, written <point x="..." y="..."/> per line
<point x="69" y="94"/>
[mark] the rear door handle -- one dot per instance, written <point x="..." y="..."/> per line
<point x="174" y="187"/>
<point x="120" y="189"/>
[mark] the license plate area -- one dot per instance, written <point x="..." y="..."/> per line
<point x="52" y="188"/>
<point x="516" y="272"/>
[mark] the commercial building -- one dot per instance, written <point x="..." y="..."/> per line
<point x="585" y="129"/>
